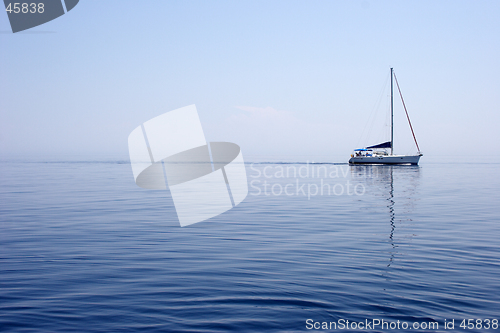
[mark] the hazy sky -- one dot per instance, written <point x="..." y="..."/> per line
<point x="276" y="77"/>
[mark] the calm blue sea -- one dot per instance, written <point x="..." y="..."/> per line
<point x="84" y="249"/>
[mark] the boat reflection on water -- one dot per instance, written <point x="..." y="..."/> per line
<point x="397" y="185"/>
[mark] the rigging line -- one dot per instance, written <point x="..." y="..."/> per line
<point x="369" y="124"/>
<point x="407" y="116"/>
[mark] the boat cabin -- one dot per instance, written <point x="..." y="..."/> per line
<point x="367" y="152"/>
<point x="362" y="152"/>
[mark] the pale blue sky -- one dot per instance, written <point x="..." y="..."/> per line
<point x="276" y="77"/>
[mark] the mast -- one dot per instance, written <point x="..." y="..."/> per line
<point x="392" y="118"/>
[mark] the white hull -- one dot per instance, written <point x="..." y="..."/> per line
<point x="391" y="159"/>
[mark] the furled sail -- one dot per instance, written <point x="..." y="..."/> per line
<point x="381" y="145"/>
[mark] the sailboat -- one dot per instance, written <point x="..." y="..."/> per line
<point x="377" y="154"/>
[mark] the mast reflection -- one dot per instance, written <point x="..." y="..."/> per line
<point x="379" y="181"/>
